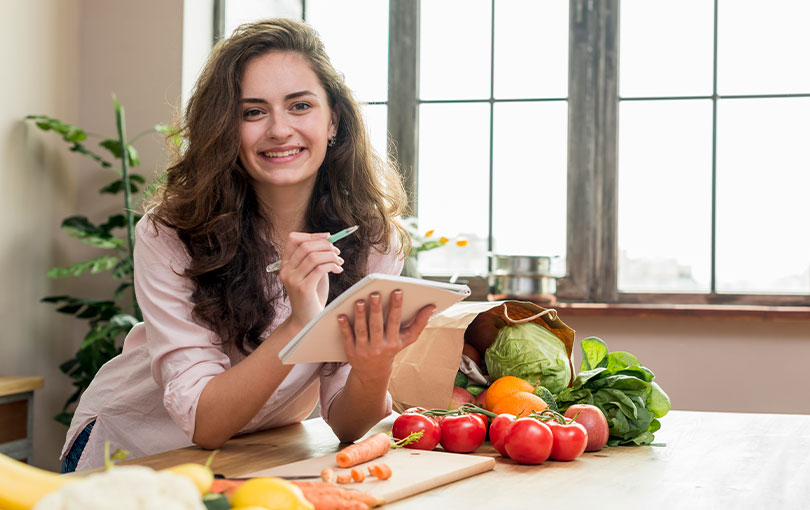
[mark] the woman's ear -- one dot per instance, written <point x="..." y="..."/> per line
<point x="333" y="125"/>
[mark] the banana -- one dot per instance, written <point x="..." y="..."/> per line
<point x="21" y="485"/>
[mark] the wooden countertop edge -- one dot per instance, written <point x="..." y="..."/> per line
<point x="9" y="385"/>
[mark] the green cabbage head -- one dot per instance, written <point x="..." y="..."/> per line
<point x="531" y="352"/>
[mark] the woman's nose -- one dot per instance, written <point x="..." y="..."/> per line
<point x="279" y="126"/>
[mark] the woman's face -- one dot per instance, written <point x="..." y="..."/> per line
<point x="285" y="123"/>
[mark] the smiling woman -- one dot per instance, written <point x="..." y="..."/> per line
<point x="275" y="158"/>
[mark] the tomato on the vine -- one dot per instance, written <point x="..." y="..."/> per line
<point x="497" y="431"/>
<point x="528" y="441"/>
<point x="570" y="440"/>
<point x="410" y="422"/>
<point x="462" y="433"/>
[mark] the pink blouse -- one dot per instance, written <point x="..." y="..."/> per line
<point x="145" y="399"/>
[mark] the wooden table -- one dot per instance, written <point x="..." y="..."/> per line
<point x="17" y="415"/>
<point x="711" y="460"/>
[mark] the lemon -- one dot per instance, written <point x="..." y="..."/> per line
<point x="202" y="476"/>
<point x="271" y="493"/>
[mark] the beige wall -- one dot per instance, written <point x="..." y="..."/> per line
<point x="743" y="365"/>
<point x="64" y="58"/>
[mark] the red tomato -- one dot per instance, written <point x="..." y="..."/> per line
<point x="569" y="440"/>
<point x="414" y="422"/>
<point x="528" y="441"/>
<point x="462" y="433"/>
<point x="497" y="431"/>
<point x="594" y="421"/>
<point x="484" y="418"/>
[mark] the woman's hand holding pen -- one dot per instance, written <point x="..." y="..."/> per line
<point x="306" y="263"/>
<point x="373" y="341"/>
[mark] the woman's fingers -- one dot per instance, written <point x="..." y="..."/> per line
<point x="376" y="330"/>
<point x="394" y="319"/>
<point x="360" y="325"/>
<point x="410" y="333"/>
<point x="347" y="334"/>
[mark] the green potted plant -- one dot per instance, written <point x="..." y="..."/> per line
<point x="109" y="318"/>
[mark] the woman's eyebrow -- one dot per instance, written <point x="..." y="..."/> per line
<point x="292" y="95"/>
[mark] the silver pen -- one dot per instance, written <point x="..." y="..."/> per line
<point x="337" y="236"/>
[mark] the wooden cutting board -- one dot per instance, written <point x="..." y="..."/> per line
<point x="414" y="471"/>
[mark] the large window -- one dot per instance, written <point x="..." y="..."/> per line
<point x="670" y="168"/>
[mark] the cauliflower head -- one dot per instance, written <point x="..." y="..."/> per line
<point x="126" y="488"/>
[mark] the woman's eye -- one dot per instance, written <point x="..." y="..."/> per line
<point x="252" y="112"/>
<point x="301" y="107"/>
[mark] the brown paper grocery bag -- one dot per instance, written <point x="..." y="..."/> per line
<point x="423" y="374"/>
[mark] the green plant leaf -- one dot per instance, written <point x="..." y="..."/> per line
<point x="114" y="221"/>
<point x="96" y="265"/>
<point x="118" y="186"/>
<point x="123" y="320"/>
<point x="594" y="354"/>
<point x="124" y="268"/>
<point x="120" y="290"/>
<point x="64" y="418"/>
<point x="88" y="233"/>
<point x="172" y="132"/>
<point x="154" y="186"/>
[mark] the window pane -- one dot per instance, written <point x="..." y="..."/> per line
<point x="667" y="48"/>
<point x="376" y="117"/>
<point x="244" y="11"/>
<point x="665" y="155"/>
<point x="361" y="54"/>
<point x="455" y="49"/>
<point x="454" y="185"/>
<point x="530" y="155"/>
<point x="531" y="49"/>
<point x="763" y="178"/>
<point x="763" y="47"/>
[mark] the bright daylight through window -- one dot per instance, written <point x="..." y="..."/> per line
<point x="691" y="140"/>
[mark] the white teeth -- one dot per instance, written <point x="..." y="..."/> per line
<point x="281" y="154"/>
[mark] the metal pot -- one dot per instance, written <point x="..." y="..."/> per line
<point x="520" y="265"/>
<point x="525" y="277"/>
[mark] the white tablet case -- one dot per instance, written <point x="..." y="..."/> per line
<point x="321" y="341"/>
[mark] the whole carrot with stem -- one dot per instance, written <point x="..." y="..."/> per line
<point x="372" y="447"/>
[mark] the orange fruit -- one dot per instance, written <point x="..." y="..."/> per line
<point x="504" y="386"/>
<point x="519" y="403"/>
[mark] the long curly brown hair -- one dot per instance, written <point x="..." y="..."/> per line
<point x="209" y="200"/>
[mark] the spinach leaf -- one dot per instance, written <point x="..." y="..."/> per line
<point x="622" y="388"/>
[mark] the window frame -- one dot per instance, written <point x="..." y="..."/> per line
<point x="592" y="176"/>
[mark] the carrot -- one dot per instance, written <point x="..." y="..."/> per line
<point x="328" y="475"/>
<point x="364" y="451"/>
<point x="358" y="475"/>
<point x="381" y="471"/>
<point x="326" y="496"/>
<point x="225" y="486"/>
<point x="344" y="478"/>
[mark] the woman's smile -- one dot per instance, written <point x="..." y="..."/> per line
<point x="282" y="155"/>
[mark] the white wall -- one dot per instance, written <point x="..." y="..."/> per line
<point x="64" y="59"/>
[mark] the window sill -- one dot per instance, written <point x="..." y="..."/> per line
<point x="786" y="312"/>
<point x="792" y="313"/>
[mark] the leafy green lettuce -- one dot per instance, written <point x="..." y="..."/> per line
<point x="622" y="388"/>
<point x="531" y="352"/>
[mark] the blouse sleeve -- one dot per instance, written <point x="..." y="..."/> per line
<point x="184" y="357"/>
<point x="390" y="262"/>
